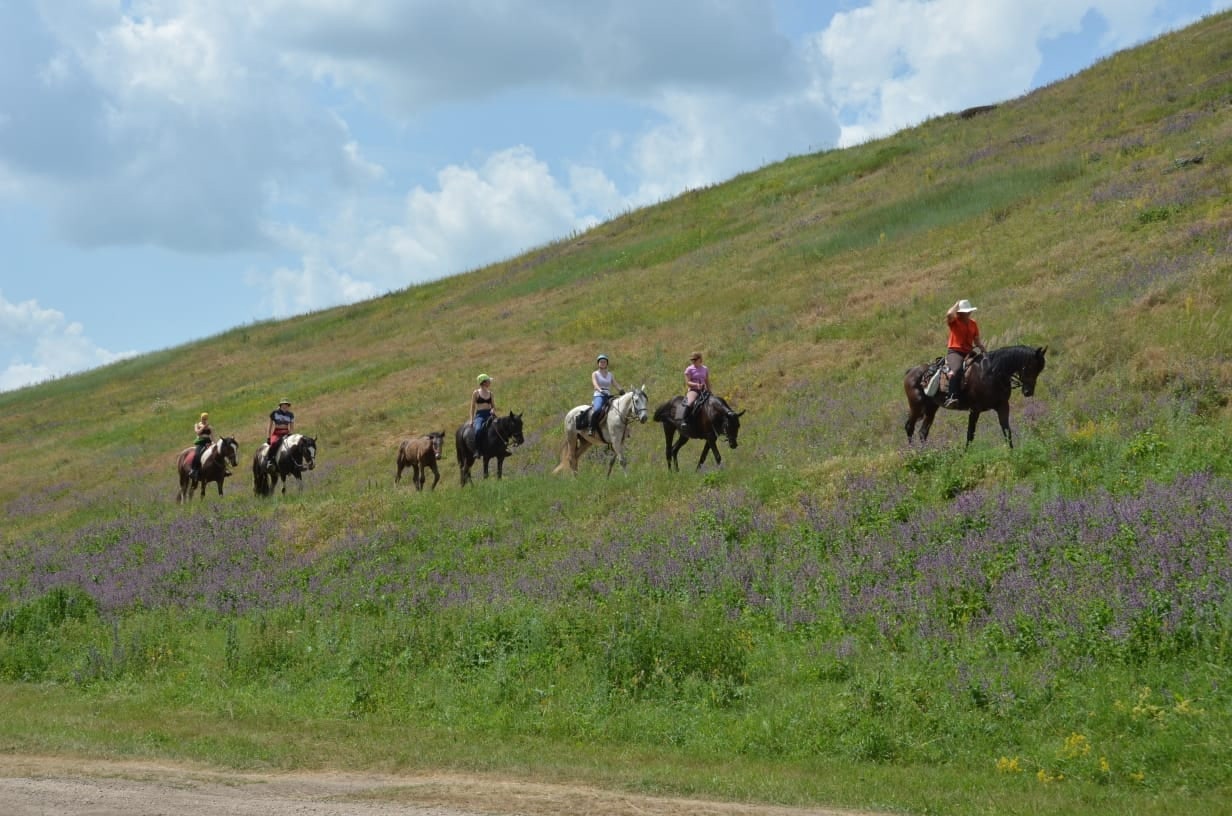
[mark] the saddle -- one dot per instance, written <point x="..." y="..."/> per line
<point x="584" y="418"/>
<point x="937" y="377"/>
<point x="472" y="439"/>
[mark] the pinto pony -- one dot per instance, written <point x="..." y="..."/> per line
<point x="214" y="459"/>
<point x="421" y="455"/>
<point x="711" y="418"/>
<point x="296" y="454"/>
<point x="622" y="412"/>
<point x="986" y="386"/>
<point x="499" y="436"/>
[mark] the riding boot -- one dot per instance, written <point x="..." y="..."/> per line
<point x="951" y="397"/>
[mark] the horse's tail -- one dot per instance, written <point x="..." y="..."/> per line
<point x="260" y="479"/>
<point x="568" y="449"/>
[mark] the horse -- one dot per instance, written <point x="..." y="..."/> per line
<point x="711" y="417"/>
<point x="213" y="468"/>
<point x="621" y="413"/>
<point x="498" y="436"/>
<point x="986" y="385"/>
<point x="421" y="455"/>
<point x="296" y="454"/>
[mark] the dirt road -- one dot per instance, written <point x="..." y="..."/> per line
<point x="46" y="786"/>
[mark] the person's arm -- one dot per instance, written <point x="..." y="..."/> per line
<point x="594" y="380"/>
<point x="269" y="431"/>
<point x="474" y="396"/>
<point x="952" y="313"/>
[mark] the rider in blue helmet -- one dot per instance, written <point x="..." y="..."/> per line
<point x="603" y="381"/>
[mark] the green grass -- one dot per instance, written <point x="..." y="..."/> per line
<point x="695" y="633"/>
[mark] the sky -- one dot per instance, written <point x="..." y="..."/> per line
<point x="172" y="169"/>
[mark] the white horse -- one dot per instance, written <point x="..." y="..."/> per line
<point x="621" y="413"/>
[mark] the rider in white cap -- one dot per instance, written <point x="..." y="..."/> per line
<point x="603" y="381"/>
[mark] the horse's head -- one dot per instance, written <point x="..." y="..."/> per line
<point x="1031" y="369"/>
<point x="511" y="429"/>
<point x="229" y="448"/>
<point x="640" y="401"/>
<point x="437" y="438"/>
<point x="304" y="452"/>
<point x="725" y="420"/>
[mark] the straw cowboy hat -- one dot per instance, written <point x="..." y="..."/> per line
<point x="965" y="307"/>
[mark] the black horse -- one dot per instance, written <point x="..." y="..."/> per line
<point x="498" y="436"/>
<point x="216" y="456"/>
<point x="296" y="454"/>
<point x="710" y="417"/>
<point x="986" y="385"/>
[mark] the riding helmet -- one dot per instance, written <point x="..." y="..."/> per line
<point x="601" y="357"/>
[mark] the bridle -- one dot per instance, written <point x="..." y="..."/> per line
<point x="629" y="412"/>
<point x="496" y="429"/>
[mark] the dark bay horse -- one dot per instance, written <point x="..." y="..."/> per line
<point x="214" y="460"/>
<point x="421" y="455"/>
<point x="498" y="437"/>
<point x="711" y="417"/>
<point x="986" y="386"/>
<point x="296" y="454"/>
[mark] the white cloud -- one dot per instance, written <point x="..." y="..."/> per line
<point x="47" y="345"/>
<point x="894" y="63"/>
<point x="509" y="203"/>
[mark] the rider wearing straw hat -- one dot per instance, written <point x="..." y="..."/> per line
<point x="964" y="339"/>
<point x="205" y="435"/>
<point x="281" y="424"/>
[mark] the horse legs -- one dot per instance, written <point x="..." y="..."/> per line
<point x="972" y="417"/>
<point x="930" y="413"/>
<point x="436" y="475"/>
<point x="669" y="431"/>
<point x="710" y="445"/>
<point x="673" y="453"/>
<point x="913" y="416"/>
<point x="1003" y="416"/>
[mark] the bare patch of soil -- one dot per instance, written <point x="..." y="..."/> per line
<point x="38" y="786"/>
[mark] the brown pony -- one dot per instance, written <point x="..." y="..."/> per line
<point x="213" y="466"/>
<point x="421" y="454"/>
<point x="986" y="386"/>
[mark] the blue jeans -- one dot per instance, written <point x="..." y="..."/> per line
<point x="481" y="419"/>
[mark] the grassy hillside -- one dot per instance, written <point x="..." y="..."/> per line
<point x="790" y="618"/>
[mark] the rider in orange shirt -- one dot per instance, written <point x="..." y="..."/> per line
<point x="964" y="339"/>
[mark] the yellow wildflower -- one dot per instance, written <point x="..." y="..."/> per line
<point x="1076" y="745"/>
<point x="1008" y="765"/>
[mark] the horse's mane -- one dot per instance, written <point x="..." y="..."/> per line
<point x="1009" y="360"/>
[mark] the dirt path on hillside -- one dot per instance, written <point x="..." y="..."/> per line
<point x="43" y="786"/>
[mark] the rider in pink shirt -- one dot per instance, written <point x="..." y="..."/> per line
<point x="696" y="380"/>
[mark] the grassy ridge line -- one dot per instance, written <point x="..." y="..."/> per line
<point x="816" y="259"/>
